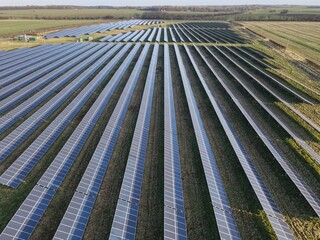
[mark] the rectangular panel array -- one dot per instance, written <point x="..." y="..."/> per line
<point x="29" y="158"/>
<point x="75" y="219"/>
<point x="76" y="32"/>
<point x="77" y="57"/>
<point x="64" y="60"/>
<point x="58" y="169"/>
<point x="174" y="217"/>
<point x="25" y="107"/>
<point x="126" y="216"/>
<point x="276" y="219"/>
<point x="23" y="131"/>
<point x="305" y="190"/>
<point x="225" y="221"/>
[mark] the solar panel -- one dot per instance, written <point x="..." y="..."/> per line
<point x="136" y="37"/>
<point x="158" y="35"/>
<point x="91" y="180"/>
<point x="12" y="62"/>
<point x="165" y="34"/>
<point x="71" y="54"/>
<point x="37" y="85"/>
<point x="23" y="131"/>
<point x="184" y="33"/>
<point x="179" y="35"/>
<point x="145" y="35"/>
<point x="14" y="175"/>
<point x="292" y="174"/>
<point x="133" y="34"/>
<point x="56" y="172"/>
<point x="269" y="206"/>
<point x="174" y="217"/>
<point x="11" y="75"/>
<point x="125" y="219"/>
<point x="225" y="221"/>
<point x="150" y="38"/>
<point x="75" y="32"/>
<point x="172" y="35"/>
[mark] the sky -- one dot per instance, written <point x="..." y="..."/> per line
<point x="153" y="2"/>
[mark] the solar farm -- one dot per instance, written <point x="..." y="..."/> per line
<point x="181" y="131"/>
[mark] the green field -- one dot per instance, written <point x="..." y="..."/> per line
<point x="69" y="13"/>
<point x="25" y="26"/>
<point x="302" y="38"/>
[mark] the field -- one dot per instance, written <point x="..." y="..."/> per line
<point x="9" y="27"/>
<point x="302" y="38"/>
<point x="206" y="132"/>
<point x="69" y="13"/>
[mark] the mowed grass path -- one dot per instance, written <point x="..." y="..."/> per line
<point x="19" y="26"/>
<point x="300" y="37"/>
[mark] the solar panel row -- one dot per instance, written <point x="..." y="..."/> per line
<point x="77" y="215"/>
<point x="41" y="195"/>
<point x="298" y="139"/>
<point x="290" y="171"/>
<point x="296" y="94"/>
<point x="225" y="221"/>
<point x="76" y="32"/>
<point x="20" y="94"/>
<point x="15" y="174"/>
<point x="12" y="75"/>
<point x="174" y="217"/>
<point x="37" y="52"/>
<point x="23" y="131"/>
<point x="275" y="95"/>
<point x="11" y="55"/>
<point x="25" y="107"/>
<point x="72" y="54"/>
<point x="276" y="219"/>
<point x="126" y="216"/>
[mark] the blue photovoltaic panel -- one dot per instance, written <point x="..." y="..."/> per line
<point x="172" y="35"/>
<point x="91" y="180"/>
<point x="225" y="221"/>
<point x="165" y="34"/>
<point x="23" y="131"/>
<point x="125" y="219"/>
<point x="174" y="217"/>
<point x="184" y="33"/>
<point x="17" y="85"/>
<point x="179" y="35"/>
<point x="159" y="35"/>
<point x="145" y="35"/>
<point x="136" y="37"/>
<point x="305" y="190"/>
<point x="13" y="62"/>
<point x="281" y="85"/>
<point x="299" y="140"/>
<point x="66" y="72"/>
<point x="150" y="38"/>
<point x="276" y="219"/>
<point x="56" y="172"/>
<point x="26" y="91"/>
<point x="133" y="34"/>
<point x="28" y="159"/>
<point x="12" y="75"/>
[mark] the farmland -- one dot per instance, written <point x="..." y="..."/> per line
<point x="189" y="130"/>
<point x="9" y="27"/>
<point x="302" y="38"/>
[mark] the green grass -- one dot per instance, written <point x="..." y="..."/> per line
<point x="20" y="26"/>
<point x="69" y="13"/>
<point x="302" y="38"/>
